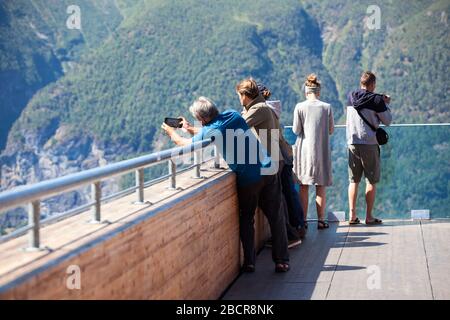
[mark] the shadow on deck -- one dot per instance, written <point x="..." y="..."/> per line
<point x="401" y="259"/>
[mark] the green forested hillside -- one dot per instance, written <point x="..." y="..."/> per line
<point x="409" y="52"/>
<point x="164" y="55"/>
<point x="36" y="47"/>
<point x="137" y="61"/>
<point x="415" y="60"/>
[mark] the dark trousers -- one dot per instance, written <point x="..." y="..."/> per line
<point x="291" y="231"/>
<point x="294" y="208"/>
<point x="267" y="195"/>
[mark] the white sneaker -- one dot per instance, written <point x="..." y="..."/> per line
<point x="294" y="243"/>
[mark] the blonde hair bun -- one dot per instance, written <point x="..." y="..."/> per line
<point x="312" y="81"/>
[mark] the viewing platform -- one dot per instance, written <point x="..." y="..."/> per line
<point x="177" y="237"/>
<point x="177" y="249"/>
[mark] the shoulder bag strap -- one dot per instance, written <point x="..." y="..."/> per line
<point x="366" y="121"/>
<point x="362" y="117"/>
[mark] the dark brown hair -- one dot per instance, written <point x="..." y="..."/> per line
<point x="248" y="87"/>
<point x="368" y="78"/>
<point x="265" y="92"/>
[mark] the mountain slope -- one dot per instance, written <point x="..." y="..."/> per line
<point x="110" y="105"/>
<point x="409" y="53"/>
<point x="415" y="60"/>
<point x="136" y="62"/>
<point x="36" y="47"/>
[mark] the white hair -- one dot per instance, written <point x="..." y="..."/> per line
<point x="204" y="109"/>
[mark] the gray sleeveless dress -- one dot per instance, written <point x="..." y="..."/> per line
<point x="313" y="124"/>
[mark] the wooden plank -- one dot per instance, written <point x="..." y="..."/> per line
<point x="436" y="236"/>
<point x="393" y="253"/>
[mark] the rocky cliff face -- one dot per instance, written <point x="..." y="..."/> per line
<point x="61" y="153"/>
<point x="36" y="49"/>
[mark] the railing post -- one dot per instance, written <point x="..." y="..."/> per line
<point x="197" y="163"/>
<point x="140" y="186"/>
<point x="34" y="215"/>
<point x="216" y="158"/>
<point x="173" y="175"/>
<point x="96" y="193"/>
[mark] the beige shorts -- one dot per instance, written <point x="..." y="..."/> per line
<point x="364" y="158"/>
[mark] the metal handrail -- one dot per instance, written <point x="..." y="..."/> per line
<point x="35" y="193"/>
<point x="397" y="125"/>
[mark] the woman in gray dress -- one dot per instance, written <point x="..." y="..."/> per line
<point x="313" y="124"/>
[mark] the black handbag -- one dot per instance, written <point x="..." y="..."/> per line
<point x="381" y="134"/>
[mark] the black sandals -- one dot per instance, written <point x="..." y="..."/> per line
<point x="374" y="221"/>
<point x="356" y="221"/>
<point x="322" y="225"/>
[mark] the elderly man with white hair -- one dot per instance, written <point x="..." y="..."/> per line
<point x="257" y="185"/>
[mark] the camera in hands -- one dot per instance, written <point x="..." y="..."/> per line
<point x="174" y="122"/>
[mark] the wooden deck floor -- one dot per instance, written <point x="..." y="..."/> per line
<point x="397" y="260"/>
